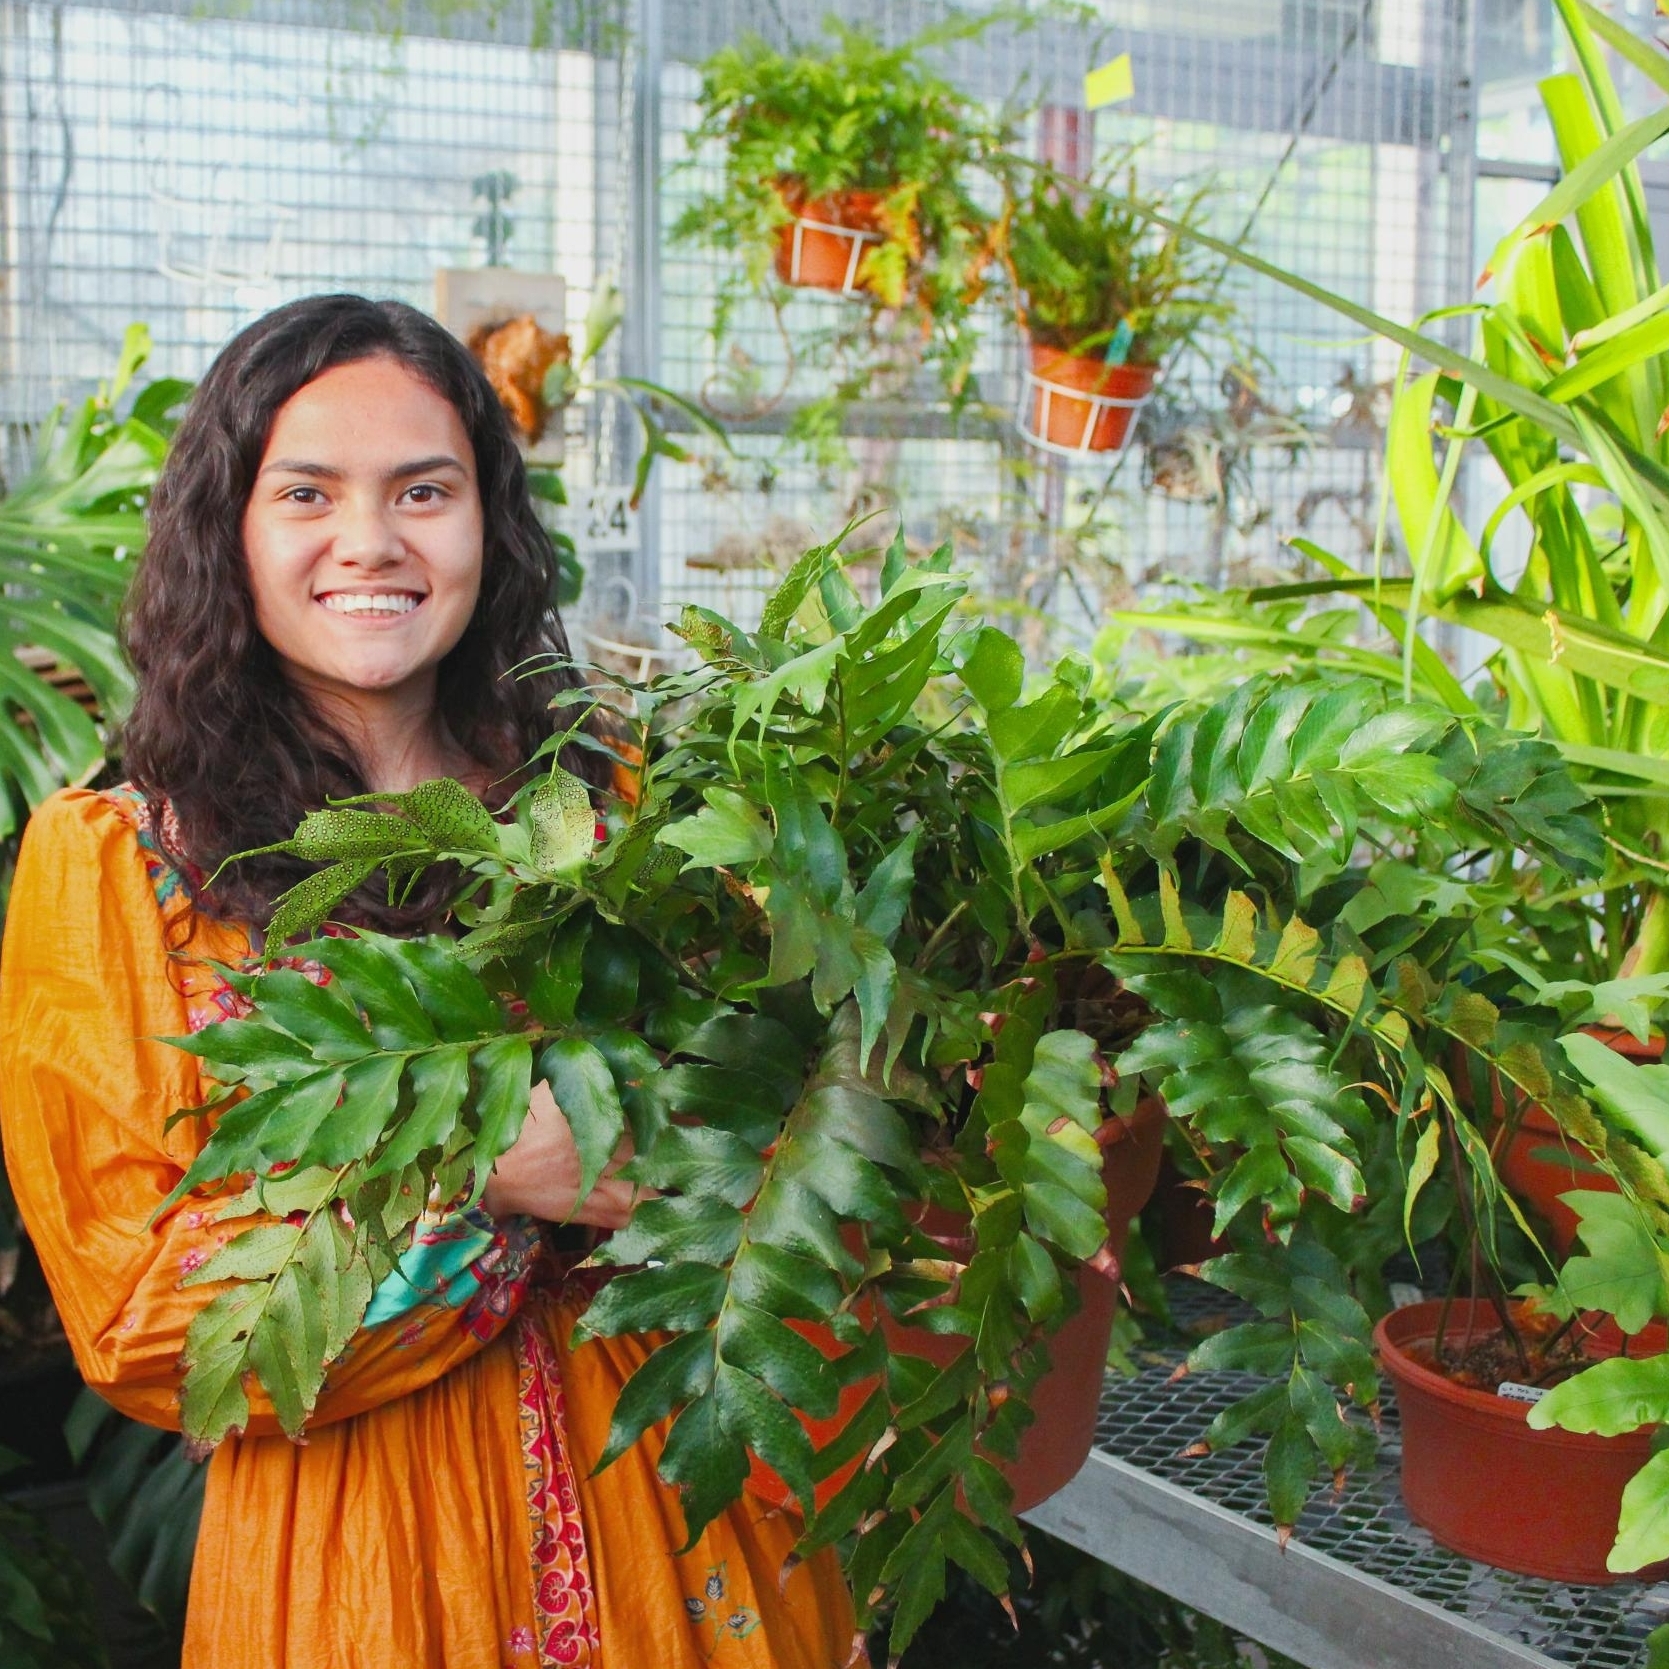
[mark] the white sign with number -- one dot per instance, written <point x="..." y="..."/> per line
<point x="609" y="522"/>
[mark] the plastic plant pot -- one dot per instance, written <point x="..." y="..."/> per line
<point x="1068" y="1394"/>
<point x="1539" y="1162"/>
<point x="1076" y="403"/>
<point x="823" y="246"/>
<point x="1542" y="1503"/>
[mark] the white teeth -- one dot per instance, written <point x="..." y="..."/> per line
<point x="349" y="602"/>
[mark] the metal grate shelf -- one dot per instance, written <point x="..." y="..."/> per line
<point x="1359" y="1586"/>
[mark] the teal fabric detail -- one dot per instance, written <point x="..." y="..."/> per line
<point x="436" y="1268"/>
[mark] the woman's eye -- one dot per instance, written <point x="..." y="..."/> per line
<point x="425" y="492"/>
<point x="303" y="495"/>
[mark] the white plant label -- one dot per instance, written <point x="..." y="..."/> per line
<point x="610" y="523"/>
<point x="1514" y="1392"/>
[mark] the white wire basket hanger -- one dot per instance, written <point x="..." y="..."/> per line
<point x="858" y="239"/>
<point x="1042" y="401"/>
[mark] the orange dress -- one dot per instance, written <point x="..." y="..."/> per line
<point x="441" y="1512"/>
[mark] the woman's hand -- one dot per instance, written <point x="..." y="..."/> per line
<point x="539" y="1174"/>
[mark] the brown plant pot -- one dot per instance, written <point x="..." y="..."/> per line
<point x="823" y="246"/>
<point x="1539" y="1162"/>
<point x="1181" y="1216"/>
<point x="1068" y="1394"/>
<point x="1079" y="403"/>
<point x="1543" y="1503"/>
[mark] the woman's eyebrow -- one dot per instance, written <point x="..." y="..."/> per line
<point x="425" y="466"/>
<point x="328" y="472"/>
<point x="300" y="466"/>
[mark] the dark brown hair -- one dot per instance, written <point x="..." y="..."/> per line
<point x="218" y="735"/>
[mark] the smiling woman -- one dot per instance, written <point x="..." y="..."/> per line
<point x="365" y="570"/>
<point x="344" y="567"/>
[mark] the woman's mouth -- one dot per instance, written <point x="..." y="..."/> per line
<point x="370" y="602"/>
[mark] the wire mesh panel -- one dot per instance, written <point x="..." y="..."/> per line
<point x="1336" y="134"/>
<point x="191" y="164"/>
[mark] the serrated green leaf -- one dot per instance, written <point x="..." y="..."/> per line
<point x="1622" y="1269"/>
<point x="993" y="670"/>
<point x="686" y="1227"/>
<point x="372" y="969"/>
<point x="1288" y="1470"/>
<point x="1608" y="1398"/>
<point x="784" y="1283"/>
<point x="1643" y="1528"/>
<point x="585" y="1092"/>
<point x="461" y="1008"/>
<point x="668" y="1378"/>
<point x="286" y="1349"/>
<point x="693" y="1159"/>
<point x="564" y="824"/>
<point x="749" y="1410"/>
<point x="439" y="1081"/>
<point x="675" y="1297"/>
<point x="449" y="815"/>
<point x="212" y="1399"/>
<point x="502" y="1075"/>
<point x="793" y="1218"/>
<point x="322" y="1018"/>
<point x="769" y="1348"/>
<point x="256" y="1254"/>
<point x="706" y="1461"/>
<point x="1036" y="1278"/>
<point x="728" y="832"/>
<point x="370" y="1099"/>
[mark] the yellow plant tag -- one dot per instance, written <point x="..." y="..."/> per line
<point x="1111" y="84"/>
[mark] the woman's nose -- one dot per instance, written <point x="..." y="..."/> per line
<point x="368" y="536"/>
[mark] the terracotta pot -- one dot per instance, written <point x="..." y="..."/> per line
<point x="825" y="243"/>
<point x="1068" y="1395"/>
<point x="1180" y="1218"/>
<point x="1543" y="1503"/>
<point x="1539" y="1162"/>
<point x="1068" y="399"/>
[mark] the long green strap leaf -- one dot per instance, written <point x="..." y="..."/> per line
<point x="1590" y="175"/>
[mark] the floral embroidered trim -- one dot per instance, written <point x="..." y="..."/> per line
<point x="713" y="1610"/>
<point x="564" y="1598"/>
<point x="208" y="995"/>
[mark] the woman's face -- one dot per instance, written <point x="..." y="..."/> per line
<point x="363" y="533"/>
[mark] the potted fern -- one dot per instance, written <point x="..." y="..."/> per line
<point x="1103" y="295"/>
<point x="851" y="170"/>
<point x="878" y="936"/>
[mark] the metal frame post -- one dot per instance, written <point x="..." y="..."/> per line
<point x="640" y="347"/>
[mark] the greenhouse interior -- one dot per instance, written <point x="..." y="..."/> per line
<point x="1114" y="555"/>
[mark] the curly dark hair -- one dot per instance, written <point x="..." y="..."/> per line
<point x="228" y="754"/>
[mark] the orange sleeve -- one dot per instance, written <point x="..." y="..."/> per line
<point x="87" y="986"/>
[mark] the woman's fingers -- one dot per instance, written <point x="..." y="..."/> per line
<point x="609" y="1204"/>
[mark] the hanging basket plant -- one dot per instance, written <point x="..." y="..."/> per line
<point x="1103" y="295"/>
<point x="853" y="171"/>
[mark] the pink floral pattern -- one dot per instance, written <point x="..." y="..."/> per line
<point x="564" y="1598"/>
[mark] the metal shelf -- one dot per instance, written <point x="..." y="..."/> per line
<point x="1359" y="1586"/>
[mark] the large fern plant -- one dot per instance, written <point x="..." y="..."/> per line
<point x="880" y="926"/>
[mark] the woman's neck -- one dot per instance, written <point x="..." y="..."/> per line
<point x="398" y="736"/>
